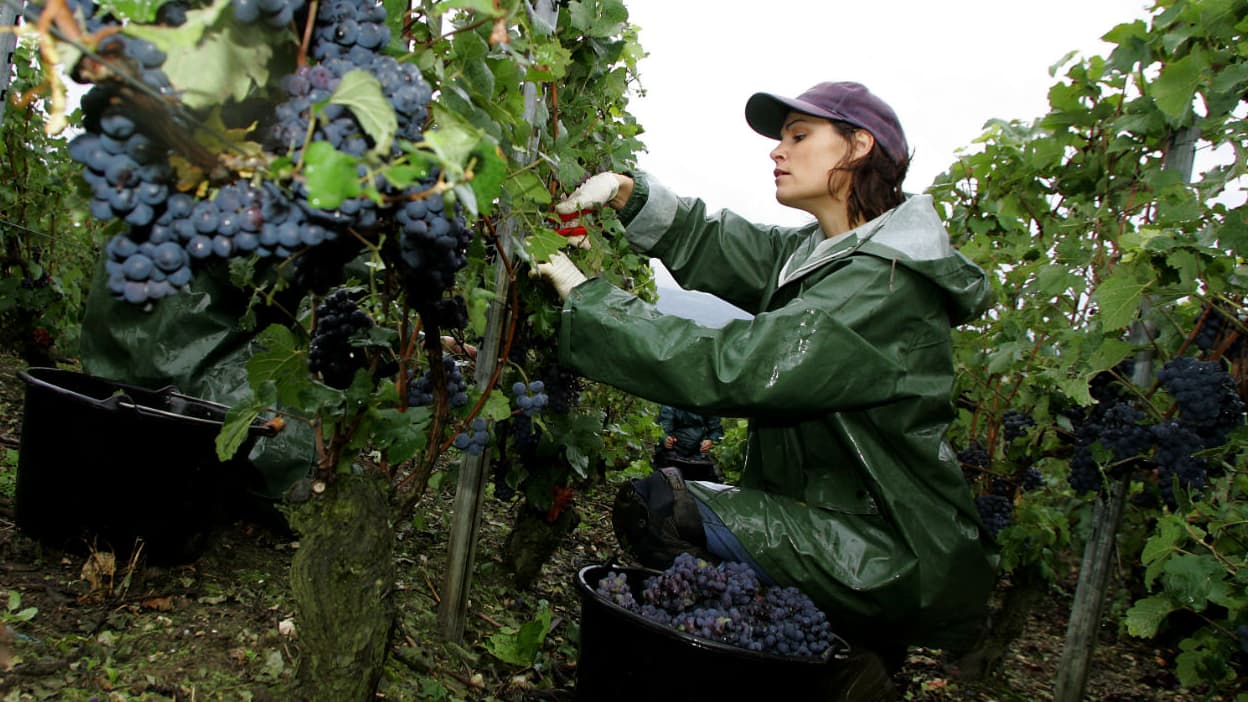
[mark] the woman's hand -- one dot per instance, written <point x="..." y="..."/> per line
<point x="611" y="189"/>
<point x="562" y="274"/>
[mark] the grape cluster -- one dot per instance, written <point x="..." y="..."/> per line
<point x="529" y="398"/>
<point x="563" y="387"/>
<point x="1208" y="402"/>
<point x="1015" y="424"/>
<point x="1032" y="479"/>
<point x="274" y="13"/>
<point x="1209" y="408"/>
<point x="1242" y="630"/>
<point x="996" y="511"/>
<point x="420" y="388"/>
<point x="127" y="165"/>
<point x="974" y="456"/>
<point x="614" y="587"/>
<point x="331" y="353"/>
<point x="1115" y="426"/>
<point x="726" y="603"/>
<point x="475" y="438"/>
<point x="1215" y="329"/>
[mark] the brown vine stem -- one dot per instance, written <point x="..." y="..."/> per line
<point x="301" y="59"/>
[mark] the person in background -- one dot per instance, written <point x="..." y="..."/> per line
<point x="849" y="490"/>
<point x="688" y="438"/>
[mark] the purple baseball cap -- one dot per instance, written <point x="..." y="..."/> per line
<point x="844" y="101"/>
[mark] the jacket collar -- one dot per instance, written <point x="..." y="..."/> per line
<point x="818" y="250"/>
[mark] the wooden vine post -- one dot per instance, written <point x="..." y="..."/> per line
<point x="8" y="44"/>
<point x="1097" y="564"/>
<point x="470" y="491"/>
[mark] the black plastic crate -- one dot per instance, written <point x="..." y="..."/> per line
<point x="103" y="464"/>
<point x="624" y="656"/>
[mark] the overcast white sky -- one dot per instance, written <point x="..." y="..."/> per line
<point x="946" y="68"/>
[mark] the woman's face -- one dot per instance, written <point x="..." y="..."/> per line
<point x="809" y="149"/>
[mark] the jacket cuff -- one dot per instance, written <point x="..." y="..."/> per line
<point x="655" y="213"/>
<point x="637" y="200"/>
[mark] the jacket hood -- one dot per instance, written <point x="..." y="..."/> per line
<point x="911" y="235"/>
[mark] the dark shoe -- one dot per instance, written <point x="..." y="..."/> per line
<point x="862" y="677"/>
<point x="656" y="519"/>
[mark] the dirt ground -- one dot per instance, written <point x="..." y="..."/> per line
<point x="224" y="627"/>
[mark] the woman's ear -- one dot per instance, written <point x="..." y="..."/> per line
<point x="862" y="141"/>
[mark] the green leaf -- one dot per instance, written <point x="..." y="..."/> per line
<point x="277" y="364"/>
<point x="542" y="243"/>
<point x="1119" y="297"/>
<point x="1189" y="578"/>
<point x="1110" y="353"/>
<point x="404" y="430"/>
<point x="331" y="175"/>
<point x="235" y="429"/>
<point x="361" y="92"/>
<point x="497" y="406"/>
<point x="485" y="7"/>
<point x="1175" y="88"/>
<point x="134" y="10"/>
<point x="453" y="141"/>
<point x="488" y="175"/>
<point x="1146" y="615"/>
<point x="521" y="646"/>
<point x="206" y="60"/>
<point x="525" y="186"/>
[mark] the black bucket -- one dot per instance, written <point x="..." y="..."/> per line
<point x="624" y="656"/>
<point x="104" y="465"/>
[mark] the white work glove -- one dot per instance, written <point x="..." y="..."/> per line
<point x="592" y="195"/>
<point x="562" y="273"/>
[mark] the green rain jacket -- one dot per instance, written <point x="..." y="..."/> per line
<point x="849" y="490"/>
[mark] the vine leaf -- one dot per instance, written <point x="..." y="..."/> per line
<point x="330" y="175"/>
<point x="278" y="365"/>
<point x="1119" y="298"/>
<point x="360" y="92"/>
<point x="234" y="431"/>
<point x="1174" y="88"/>
<point x="205" y="59"/>
<point x="542" y="243"/>
<point x="405" y="430"/>
<point x="1145" y="616"/>
<point x="134" y="10"/>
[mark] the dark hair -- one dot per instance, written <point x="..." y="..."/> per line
<point x="875" y="179"/>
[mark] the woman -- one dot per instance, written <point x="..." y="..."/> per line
<point x="849" y="491"/>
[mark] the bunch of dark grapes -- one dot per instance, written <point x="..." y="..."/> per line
<point x="1015" y="424"/>
<point x="1242" y="630"/>
<point x="788" y="622"/>
<point x="1215" y="329"/>
<point x="1116" y="427"/>
<point x="331" y="353"/>
<point x="974" y="457"/>
<point x="1175" y="463"/>
<point x="996" y="511"/>
<point x="475" y="438"/>
<point x="1205" y="394"/>
<point x="449" y="313"/>
<point x="1032" y="479"/>
<point x="274" y="13"/>
<point x="529" y="398"/>
<point x="726" y="603"/>
<point x="614" y="587"/>
<point x="563" y="387"/>
<point x="420" y="388"/>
